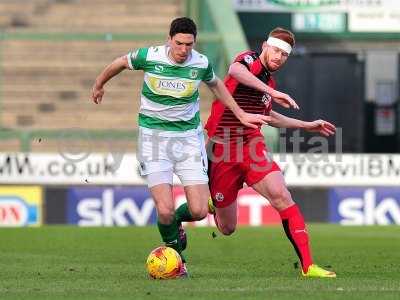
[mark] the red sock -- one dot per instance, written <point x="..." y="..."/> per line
<point x="293" y="223"/>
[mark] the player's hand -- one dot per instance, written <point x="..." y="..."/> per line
<point x="284" y="100"/>
<point x="97" y="94"/>
<point x="322" y="127"/>
<point x="253" y="120"/>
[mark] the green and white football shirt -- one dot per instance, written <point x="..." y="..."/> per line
<point x="170" y="92"/>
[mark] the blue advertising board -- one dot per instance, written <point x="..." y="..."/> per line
<point x="110" y="206"/>
<point x="364" y="206"/>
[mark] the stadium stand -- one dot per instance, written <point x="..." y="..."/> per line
<point x="46" y="83"/>
<point x="89" y="15"/>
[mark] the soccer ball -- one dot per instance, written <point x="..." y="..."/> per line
<point x="163" y="263"/>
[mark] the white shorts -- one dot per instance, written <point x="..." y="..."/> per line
<point x="184" y="156"/>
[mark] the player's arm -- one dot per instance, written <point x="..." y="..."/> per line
<point x="222" y="93"/>
<point x="116" y="67"/>
<point x="321" y="126"/>
<point x="244" y="76"/>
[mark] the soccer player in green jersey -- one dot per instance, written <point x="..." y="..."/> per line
<point x="170" y="132"/>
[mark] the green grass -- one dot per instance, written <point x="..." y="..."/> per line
<point x="254" y="263"/>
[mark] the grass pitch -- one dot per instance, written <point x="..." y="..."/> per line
<point x="254" y="263"/>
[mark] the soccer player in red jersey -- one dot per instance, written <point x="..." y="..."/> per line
<point x="239" y="155"/>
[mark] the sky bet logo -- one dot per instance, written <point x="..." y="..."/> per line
<point x="110" y="206"/>
<point x="365" y="206"/>
<point x="20" y="206"/>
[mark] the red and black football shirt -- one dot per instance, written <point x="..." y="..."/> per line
<point x="222" y="123"/>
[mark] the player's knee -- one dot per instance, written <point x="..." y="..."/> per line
<point x="281" y="198"/>
<point x="199" y="213"/>
<point x="227" y="229"/>
<point x="165" y="216"/>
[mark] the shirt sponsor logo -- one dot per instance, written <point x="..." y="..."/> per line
<point x="175" y="88"/>
<point x="171" y="85"/>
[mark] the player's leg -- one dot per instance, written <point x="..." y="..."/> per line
<point x="191" y="168"/>
<point x="224" y="191"/>
<point x="167" y="223"/>
<point x="157" y="169"/>
<point x="226" y="218"/>
<point x="160" y="185"/>
<point x="189" y="156"/>
<point x="264" y="176"/>
<point x="197" y="194"/>
<point x="273" y="187"/>
<point x="226" y="179"/>
<point x="195" y="209"/>
<point x="197" y="200"/>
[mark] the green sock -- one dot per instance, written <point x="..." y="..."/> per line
<point x="183" y="214"/>
<point x="170" y="236"/>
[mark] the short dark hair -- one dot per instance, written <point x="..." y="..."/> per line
<point x="183" y="25"/>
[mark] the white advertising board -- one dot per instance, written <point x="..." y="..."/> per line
<point x="109" y="169"/>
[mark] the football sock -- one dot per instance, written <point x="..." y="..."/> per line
<point x="170" y="235"/>
<point x="295" y="229"/>
<point x="183" y="214"/>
